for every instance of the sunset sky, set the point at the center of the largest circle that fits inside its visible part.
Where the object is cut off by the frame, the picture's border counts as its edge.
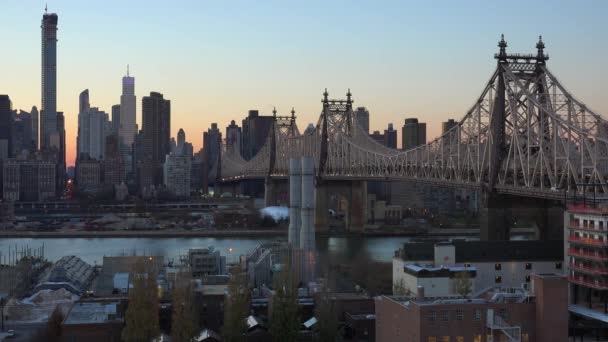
(215, 60)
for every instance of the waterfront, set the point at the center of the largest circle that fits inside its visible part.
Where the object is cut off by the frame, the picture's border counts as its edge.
(345, 259)
(92, 250)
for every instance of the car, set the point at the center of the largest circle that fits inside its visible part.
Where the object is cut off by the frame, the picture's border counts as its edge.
(10, 333)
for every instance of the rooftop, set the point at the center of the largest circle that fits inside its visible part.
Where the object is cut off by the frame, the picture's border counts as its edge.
(600, 209)
(486, 296)
(92, 313)
(213, 290)
(487, 251)
(441, 271)
(70, 272)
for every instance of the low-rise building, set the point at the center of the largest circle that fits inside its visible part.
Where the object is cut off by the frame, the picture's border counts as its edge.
(92, 321)
(116, 273)
(497, 314)
(69, 272)
(496, 263)
(210, 303)
(437, 281)
(206, 261)
(263, 262)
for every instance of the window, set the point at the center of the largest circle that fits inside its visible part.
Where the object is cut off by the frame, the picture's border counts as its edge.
(445, 315)
(459, 314)
(525, 337)
(459, 339)
(528, 266)
(432, 339)
(497, 267)
(477, 315)
(432, 316)
(527, 278)
(477, 338)
(558, 265)
(445, 338)
(601, 225)
(498, 279)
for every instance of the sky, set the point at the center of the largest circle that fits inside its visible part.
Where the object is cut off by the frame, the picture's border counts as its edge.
(215, 60)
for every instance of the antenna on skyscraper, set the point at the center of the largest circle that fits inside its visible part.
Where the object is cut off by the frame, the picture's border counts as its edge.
(45, 8)
(127, 70)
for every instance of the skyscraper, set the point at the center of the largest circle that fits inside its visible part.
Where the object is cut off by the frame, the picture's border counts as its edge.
(234, 136)
(413, 134)
(127, 128)
(113, 163)
(181, 140)
(92, 129)
(212, 140)
(156, 128)
(6, 122)
(177, 168)
(362, 115)
(83, 101)
(390, 136)
(447, 125)
(35, 126)
(48, 124)
(255, 132)
(115, 119)
(22, 132)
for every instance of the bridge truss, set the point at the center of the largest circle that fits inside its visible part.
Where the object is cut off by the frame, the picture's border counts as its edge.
(525, 135)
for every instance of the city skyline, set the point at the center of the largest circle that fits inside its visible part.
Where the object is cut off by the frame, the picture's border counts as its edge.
(234, 70)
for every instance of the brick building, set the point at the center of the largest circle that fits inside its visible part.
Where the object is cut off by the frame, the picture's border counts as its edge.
(498, 314)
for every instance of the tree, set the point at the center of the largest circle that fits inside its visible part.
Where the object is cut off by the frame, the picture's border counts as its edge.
(52, 331)
(463, 283)
(184, 320)
(236, 308)
(326, 329)
(285, 319)
(399, 288)
(141, 317)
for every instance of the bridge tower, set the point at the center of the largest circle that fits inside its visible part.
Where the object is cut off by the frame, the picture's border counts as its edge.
(498, 210)
(354, 191)
(282, 127)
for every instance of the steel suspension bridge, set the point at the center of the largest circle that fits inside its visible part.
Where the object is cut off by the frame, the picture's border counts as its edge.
(525, 135)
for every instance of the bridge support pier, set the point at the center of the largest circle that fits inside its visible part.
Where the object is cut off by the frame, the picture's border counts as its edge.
(550, 222)
(270, 198)
(356, 209)
(276, 192)
(500, 212)
(494, 223)
(321, 208)
(355, 195)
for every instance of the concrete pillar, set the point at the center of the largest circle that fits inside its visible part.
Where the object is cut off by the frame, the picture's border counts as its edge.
(269, 193)
(550, 222)
(307, 232)
(295, 200)
(321, 208)
(494, 219)
(357, 207)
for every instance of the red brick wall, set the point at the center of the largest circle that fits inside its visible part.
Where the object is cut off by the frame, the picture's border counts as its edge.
(551, 308)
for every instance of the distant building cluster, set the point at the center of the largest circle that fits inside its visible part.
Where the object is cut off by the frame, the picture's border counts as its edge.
(116, 159)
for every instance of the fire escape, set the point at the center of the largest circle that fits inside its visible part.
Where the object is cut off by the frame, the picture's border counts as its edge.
(497, 326)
